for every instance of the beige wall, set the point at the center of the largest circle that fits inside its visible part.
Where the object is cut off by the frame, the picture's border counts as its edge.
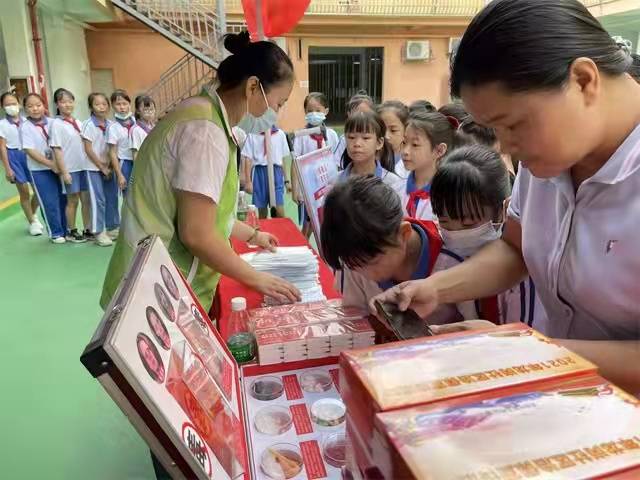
(137, 57)
(405, 81)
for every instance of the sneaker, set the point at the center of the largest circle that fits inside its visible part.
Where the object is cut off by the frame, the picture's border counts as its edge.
(88, 235)
(103, 240)
(58, 240)
(35, 228)
(75, 236)
(113, 234)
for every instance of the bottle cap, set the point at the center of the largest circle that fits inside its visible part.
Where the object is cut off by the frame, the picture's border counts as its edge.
(238, 304)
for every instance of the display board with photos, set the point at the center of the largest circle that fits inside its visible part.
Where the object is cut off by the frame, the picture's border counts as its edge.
(318, 172)
(158, 357)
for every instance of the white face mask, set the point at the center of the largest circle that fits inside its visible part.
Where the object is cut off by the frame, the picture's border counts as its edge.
(122, 116)
(12, 110)
(261, 124)
(315, 118)
(467, 242)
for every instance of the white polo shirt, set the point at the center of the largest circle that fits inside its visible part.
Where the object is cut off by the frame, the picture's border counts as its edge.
(10, 131)
(98, 138)
(306, 144)
(35, 139)
(119, 135)
(68, 138)
(581, 249)
(254, 148)
(137, 136)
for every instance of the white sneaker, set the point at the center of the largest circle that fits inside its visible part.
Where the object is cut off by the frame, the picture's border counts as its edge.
(35, 228)
(103, 240)
(58, 240)
(113, 234)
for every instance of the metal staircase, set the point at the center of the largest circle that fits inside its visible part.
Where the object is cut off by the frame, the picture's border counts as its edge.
(197, 27)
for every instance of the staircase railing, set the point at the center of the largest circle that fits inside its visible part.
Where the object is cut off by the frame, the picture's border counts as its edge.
(196, 26)
(182, 80)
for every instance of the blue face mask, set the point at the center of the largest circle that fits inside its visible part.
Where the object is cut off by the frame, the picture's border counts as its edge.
(315, 118)
(261, 124)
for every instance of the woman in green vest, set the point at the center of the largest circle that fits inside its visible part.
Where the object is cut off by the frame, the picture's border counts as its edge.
(184, 185)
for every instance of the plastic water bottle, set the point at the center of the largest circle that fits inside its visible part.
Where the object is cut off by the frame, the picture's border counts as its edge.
(242, 343)
(242, 206)
(252, 219)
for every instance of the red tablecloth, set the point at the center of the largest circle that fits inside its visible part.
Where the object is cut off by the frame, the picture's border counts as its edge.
(289, 236)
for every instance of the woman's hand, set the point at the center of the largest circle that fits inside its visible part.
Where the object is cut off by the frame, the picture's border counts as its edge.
(106, 172)
(418, 295)
(10, 176)
(465, 326)
(275, 287)
(122, 182)
(265, 240)
(66, 178)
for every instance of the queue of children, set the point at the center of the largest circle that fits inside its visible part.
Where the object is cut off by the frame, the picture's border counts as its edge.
(69, 164)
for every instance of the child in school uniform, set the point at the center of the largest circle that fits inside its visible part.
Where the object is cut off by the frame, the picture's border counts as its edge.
(118, 138)
(316, 109)
(428, 138)
(255, 149)
(14, 160)
(145, 121)
(366, 238)
(368, 152)
(395, 116)
(43, 168)
(103, 188)
(469, 194)
(360, 102)
(68, 149)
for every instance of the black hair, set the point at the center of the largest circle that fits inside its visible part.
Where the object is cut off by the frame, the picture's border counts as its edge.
(531, 44)
(361, 217)
(397, 107)
(369, 122)
(319, 97)
(29, 95)
(421, 105)
(357, 100)
(119, 93)
(467, 180)
(455, 110)
(472, 133)
(264, 60)
(5, 95)
(437, 128)
(143, 101)
(92, 96)
(59, 94)
(634, 71)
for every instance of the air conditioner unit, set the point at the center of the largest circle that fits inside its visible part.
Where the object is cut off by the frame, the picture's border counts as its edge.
(454, 42)
(417, 50)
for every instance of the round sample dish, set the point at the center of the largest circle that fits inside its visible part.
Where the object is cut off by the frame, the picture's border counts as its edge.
(315, 381)
(281, 461)
(328, 412)
(334, 449)
(273, 420)
(266, 388)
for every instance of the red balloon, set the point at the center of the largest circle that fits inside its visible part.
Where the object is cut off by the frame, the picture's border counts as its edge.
(278, 16)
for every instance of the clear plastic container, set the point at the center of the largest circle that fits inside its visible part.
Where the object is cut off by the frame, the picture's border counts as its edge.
(281, 461)
(334, 449)
(315, 381)
(273, 420)
(266, 388)
(328, 412)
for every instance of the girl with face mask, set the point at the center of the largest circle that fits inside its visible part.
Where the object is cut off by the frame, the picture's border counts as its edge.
(184, 185)
(118, 138)
(316, 109)
(14, 159)
(468, 194)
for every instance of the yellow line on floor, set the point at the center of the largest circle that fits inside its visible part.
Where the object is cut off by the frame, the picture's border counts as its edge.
(10, 201)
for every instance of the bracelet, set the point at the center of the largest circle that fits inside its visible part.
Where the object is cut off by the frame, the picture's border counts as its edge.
(253, 235)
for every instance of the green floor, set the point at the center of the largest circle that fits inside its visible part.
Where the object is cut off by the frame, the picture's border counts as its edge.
(56, 420)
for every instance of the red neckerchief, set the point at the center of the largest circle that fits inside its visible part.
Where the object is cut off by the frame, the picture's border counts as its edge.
(72, 121)
(128, 125)
(414, 199)
(319, 138)
(273, 131)
(16, 124)
(102, 127)
(41, 125)
(435, 240)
